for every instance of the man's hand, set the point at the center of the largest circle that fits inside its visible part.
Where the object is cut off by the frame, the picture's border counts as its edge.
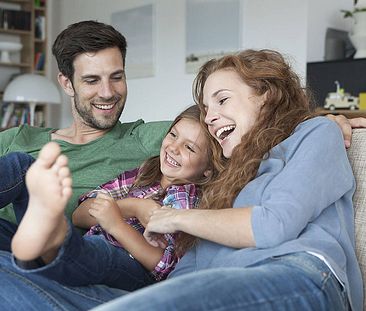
(106, 211)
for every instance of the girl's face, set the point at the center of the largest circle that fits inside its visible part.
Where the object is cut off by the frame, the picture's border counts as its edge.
(232, 108)
(183, 154)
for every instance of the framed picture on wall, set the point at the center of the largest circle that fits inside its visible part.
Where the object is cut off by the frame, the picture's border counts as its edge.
(137, 25)
(212, 30)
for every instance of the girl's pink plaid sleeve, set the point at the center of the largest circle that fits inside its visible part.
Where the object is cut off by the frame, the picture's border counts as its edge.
(117, 188)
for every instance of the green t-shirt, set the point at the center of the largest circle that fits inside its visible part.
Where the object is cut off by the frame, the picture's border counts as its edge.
(94, 163)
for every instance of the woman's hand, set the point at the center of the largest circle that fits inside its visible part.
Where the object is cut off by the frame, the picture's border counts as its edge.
(161, 221)
(346, 126)
(106, 211)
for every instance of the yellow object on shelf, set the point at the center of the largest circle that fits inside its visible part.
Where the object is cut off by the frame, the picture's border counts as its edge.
(362, 103)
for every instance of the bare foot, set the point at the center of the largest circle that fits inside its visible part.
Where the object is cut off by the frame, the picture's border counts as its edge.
(43, 227)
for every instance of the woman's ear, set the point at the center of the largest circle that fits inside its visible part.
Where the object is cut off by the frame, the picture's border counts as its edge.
(66, 84)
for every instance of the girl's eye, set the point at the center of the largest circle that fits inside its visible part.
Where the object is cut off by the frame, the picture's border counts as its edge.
(172, 134)
(191, 149)
(91, 81)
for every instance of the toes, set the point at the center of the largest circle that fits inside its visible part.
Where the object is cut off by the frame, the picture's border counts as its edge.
(66, 193)
(63, 172)
(48, 154)
(66, 182)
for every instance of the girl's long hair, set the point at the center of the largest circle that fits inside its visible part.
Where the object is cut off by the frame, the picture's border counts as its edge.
(286, 104)
(150, 172)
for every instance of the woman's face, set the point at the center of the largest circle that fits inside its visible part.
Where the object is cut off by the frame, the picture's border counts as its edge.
(231, 106)
(183, 153)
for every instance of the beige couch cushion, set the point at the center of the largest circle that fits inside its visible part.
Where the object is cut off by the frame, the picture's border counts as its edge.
(357, 157)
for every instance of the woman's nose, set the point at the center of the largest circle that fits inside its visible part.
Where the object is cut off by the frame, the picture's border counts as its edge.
(211, 117)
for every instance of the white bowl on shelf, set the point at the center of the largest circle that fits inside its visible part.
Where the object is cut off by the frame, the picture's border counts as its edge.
(6, 48)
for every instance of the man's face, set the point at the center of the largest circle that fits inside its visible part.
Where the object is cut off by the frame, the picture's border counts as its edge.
(100, 88)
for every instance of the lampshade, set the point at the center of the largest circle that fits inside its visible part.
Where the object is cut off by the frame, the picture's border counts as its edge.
(32, 88)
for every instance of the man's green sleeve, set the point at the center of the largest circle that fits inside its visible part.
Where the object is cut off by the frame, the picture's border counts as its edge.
(6, 139)
(151, 135)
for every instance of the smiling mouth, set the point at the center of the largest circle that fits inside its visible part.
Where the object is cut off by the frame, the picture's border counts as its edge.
(171, 161)
(104, 107)
(224, 132)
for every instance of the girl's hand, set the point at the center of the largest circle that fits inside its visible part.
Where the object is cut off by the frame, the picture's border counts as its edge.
(163, 220)
(106, 211)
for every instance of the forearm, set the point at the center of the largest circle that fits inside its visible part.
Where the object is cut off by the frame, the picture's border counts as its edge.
(128, 207)
(136, 207)
(134, 243)
(230, 227)
(81, 217)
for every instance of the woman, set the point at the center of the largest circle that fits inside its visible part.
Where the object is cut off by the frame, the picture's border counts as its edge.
(288, 242)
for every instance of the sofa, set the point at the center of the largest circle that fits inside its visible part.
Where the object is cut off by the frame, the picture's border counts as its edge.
(357, 157)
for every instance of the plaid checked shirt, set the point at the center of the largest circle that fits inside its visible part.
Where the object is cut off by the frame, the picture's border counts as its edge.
(177, 196)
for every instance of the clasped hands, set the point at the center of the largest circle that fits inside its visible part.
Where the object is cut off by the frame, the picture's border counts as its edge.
(156, 219)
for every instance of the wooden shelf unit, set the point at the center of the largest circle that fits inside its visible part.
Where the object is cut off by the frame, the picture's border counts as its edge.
(34, 43)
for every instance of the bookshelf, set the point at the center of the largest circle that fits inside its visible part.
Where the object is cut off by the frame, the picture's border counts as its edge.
(25, 22)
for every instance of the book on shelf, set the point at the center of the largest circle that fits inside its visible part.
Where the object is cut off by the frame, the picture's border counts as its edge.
(15, 19)
(40, 27)
(18, 114)
(39, 61)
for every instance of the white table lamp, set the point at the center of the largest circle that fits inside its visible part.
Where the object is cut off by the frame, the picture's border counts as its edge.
(32, 89)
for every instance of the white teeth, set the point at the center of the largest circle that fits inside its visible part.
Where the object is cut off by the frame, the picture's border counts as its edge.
(171, 161)
(104, 107)
(223, 129)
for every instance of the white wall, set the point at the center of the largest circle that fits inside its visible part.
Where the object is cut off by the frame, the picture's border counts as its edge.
(324, 14)
(294, 27)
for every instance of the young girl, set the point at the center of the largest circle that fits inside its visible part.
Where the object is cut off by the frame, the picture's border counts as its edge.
(114, 251)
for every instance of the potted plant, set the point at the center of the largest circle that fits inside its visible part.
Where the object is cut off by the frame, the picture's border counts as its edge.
(358, 33)
(359, 6)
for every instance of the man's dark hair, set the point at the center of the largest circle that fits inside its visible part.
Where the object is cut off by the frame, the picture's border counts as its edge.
(83, 37)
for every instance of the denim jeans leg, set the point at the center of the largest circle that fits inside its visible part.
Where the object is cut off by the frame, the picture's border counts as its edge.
(294, 282)
(21, 292)
(91, 260)
(13, 168)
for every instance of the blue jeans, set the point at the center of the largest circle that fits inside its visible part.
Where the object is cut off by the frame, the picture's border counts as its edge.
(20, 291)
(88, 260)
(82, 261)
(13, 168)
(291, 282)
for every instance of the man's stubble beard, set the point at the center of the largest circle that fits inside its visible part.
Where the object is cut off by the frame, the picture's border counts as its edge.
(86, 115)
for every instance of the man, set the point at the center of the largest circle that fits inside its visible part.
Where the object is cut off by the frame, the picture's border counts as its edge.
(91, 60)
